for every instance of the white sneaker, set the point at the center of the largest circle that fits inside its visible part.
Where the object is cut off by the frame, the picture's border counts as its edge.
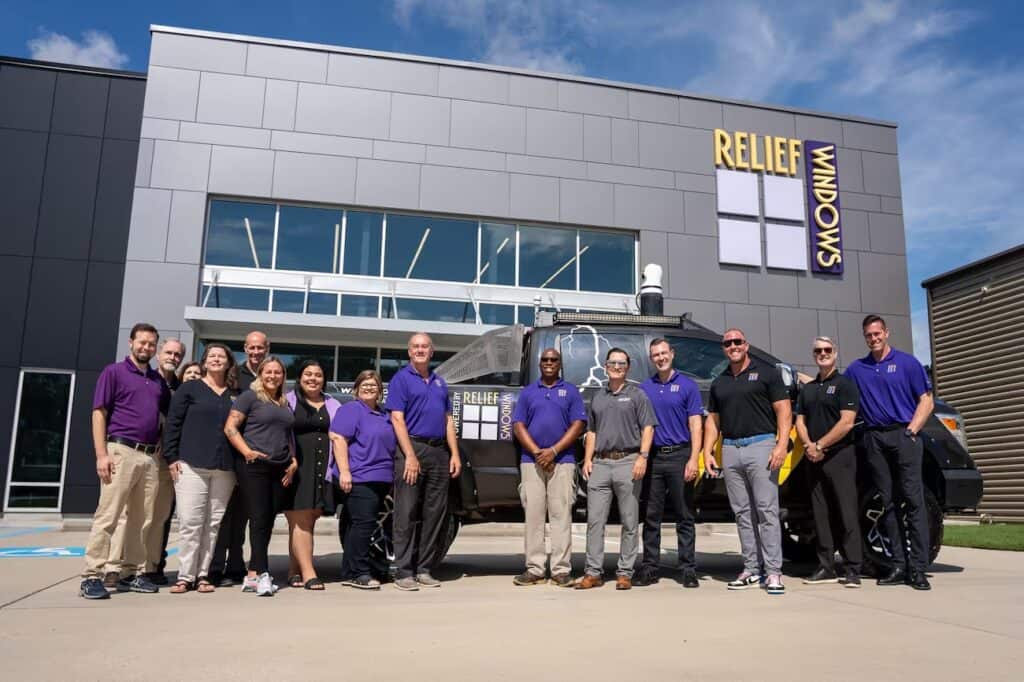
(774, 585)
(249, 583)
(265, 586)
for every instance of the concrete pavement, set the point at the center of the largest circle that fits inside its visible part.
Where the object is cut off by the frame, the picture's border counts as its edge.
(478, 626)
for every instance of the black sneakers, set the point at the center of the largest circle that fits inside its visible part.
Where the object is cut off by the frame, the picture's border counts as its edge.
(644, 579)
(92, 588)
(821, 576)
(137, 583)
(851, 580)
(690, 579)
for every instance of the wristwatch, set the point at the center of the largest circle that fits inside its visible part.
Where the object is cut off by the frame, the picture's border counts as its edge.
(645, 455)
(909, 433)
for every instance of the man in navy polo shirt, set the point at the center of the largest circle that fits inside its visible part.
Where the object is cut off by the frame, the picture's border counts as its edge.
(426, 459)
(128, 401)
(673, 464)
(895, 402)
(547, 420)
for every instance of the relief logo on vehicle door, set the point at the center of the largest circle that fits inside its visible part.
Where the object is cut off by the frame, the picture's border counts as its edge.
(484, 414)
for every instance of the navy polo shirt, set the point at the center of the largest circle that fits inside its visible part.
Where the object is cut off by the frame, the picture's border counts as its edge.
(674, 402)
(424, 402)
(889, 388)
(547, 412)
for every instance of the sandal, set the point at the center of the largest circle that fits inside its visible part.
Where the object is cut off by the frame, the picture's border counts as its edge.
(295, 581)
(314, 584)
(180, 587)
(205, 586)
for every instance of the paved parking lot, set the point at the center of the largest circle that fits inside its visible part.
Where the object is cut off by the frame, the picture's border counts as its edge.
(478, 626)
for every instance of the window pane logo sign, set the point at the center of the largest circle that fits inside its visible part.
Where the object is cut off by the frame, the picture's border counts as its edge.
(483, 415)
(762, 199)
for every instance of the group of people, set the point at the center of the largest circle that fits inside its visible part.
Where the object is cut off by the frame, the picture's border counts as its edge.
(228, 448)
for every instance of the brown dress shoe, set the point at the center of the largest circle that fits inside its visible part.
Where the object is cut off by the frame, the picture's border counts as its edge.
(589, 581)
(623, 583)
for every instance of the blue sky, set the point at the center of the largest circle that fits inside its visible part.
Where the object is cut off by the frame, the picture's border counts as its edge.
(950, 73)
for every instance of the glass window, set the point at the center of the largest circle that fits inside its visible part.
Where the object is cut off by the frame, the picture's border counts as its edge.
(584, 350)
(322, 304)
(392, 360)
(292, 302)
(526, 315)
(435, 311)
(497, 254)
(701, 359)
(419, 247)
(308, 239)
(362, 243)
(607, 262)
(352, 361)
(237, 297)
(293, 355)
(439, 357)
(288, 301)
(359, 306)
(240, 234)
(547, 258)
(41, 428)
(33, 497)
(491, 313)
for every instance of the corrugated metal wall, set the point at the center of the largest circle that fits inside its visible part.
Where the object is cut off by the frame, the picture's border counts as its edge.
(977, 324)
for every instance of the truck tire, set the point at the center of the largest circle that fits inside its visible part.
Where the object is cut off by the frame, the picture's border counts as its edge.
(382, 546)
(877, 556)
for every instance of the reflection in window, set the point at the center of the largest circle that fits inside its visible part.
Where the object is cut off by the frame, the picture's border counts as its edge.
(308, 239)
(391, 360)
(584, 350)
(288, 301)
(236, 297)
(701, 359)
(526, 315)
(41, 429)
(359, 306)
(240, 234)
(292, 301)
(420, 247)
(607, 262)
(32, 497)
(293, 355)
(497, 314)
(362, 243)
(497, 254)
(352, 361)
(322, 304)
(547, 258)
(437, 311)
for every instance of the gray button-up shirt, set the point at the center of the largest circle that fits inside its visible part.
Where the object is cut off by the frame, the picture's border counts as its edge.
(618, 418)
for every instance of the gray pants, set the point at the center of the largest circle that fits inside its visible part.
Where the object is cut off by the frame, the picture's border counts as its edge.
(609, 478)
(752, 487)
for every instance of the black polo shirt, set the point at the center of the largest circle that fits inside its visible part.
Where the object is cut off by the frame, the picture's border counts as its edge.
(245, 377)
(820, 402)
(744, 402)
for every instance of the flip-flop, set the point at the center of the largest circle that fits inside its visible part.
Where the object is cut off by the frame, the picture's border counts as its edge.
(314, 584)
(295, 581)
(205, 586)
(180, 587)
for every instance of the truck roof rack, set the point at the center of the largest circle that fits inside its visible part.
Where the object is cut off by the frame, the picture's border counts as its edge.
(626, 319)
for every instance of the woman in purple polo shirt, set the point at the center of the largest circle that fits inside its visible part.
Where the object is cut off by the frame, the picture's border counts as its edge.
(363, 465)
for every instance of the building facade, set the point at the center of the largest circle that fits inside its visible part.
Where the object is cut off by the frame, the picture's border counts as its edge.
(339, 199)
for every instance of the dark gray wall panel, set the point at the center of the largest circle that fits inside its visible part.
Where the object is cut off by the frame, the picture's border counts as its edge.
(124, 108)
(54, 320)
(80, 104)
(22, 159)
(27, 97)
(69, 193)
(114, 201)
(14, 280)
(81, 487)
(8, 395)
(100, 314)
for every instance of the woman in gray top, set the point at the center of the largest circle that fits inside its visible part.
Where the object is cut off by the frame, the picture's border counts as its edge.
(260, 429)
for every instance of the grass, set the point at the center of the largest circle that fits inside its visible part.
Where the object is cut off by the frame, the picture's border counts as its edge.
(1005, 536)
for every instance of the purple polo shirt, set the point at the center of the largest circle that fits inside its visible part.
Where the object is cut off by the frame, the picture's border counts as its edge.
(548, 412)
(425, 403)
(674, 401)
(889, 388)
(133, 399)
(371, 443)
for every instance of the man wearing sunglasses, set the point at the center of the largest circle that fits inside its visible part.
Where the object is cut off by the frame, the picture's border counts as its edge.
(749, 405)
(896, 401)
(826, 410)
(620, 429)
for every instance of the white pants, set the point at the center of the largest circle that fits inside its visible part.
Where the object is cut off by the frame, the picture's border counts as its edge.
(202, 496)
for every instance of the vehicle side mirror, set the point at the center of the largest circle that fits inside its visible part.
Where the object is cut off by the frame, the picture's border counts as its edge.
(788, 379)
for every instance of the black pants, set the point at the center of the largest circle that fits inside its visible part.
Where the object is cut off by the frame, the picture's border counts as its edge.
(228, 556)
(420, 511)
(265, 496)
(833, 486)
(361, 508)
(895, 463)
(663, 483)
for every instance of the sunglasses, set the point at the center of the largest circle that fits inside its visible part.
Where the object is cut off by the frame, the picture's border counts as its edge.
(823, 351)
(733, 342)
(547, 360)
(616, 363)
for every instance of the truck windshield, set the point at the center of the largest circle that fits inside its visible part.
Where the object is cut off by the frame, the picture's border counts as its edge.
(584, 348)
(700, 359)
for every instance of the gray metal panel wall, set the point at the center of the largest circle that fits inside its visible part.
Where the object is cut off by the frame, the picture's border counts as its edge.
(974, 315)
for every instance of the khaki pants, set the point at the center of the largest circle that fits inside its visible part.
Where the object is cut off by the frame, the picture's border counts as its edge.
(132, 489)
(203, 496)
(154, 538)
(548, 494)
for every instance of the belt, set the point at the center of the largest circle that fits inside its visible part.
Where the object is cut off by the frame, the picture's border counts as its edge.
(614, 454)
(432, 442)
(666, 449)
(887, 427)
(748, 440)
(141, 447)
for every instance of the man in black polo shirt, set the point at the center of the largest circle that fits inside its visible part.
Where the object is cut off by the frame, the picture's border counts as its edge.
(826, 410)
(749, 406)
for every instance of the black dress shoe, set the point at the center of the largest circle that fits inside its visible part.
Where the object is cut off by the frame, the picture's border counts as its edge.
(919, 581)
(690, 579)
(897, 576)
(644, 579)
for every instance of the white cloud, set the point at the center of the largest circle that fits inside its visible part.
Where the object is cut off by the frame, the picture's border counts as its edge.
(96, 48)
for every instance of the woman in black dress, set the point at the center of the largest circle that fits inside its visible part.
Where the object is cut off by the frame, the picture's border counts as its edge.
(313, 496)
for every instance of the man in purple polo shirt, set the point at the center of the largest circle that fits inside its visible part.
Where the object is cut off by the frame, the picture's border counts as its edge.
(426, 459)
(129, 398)
(548, 420)
(673, 464)
(895, 402)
